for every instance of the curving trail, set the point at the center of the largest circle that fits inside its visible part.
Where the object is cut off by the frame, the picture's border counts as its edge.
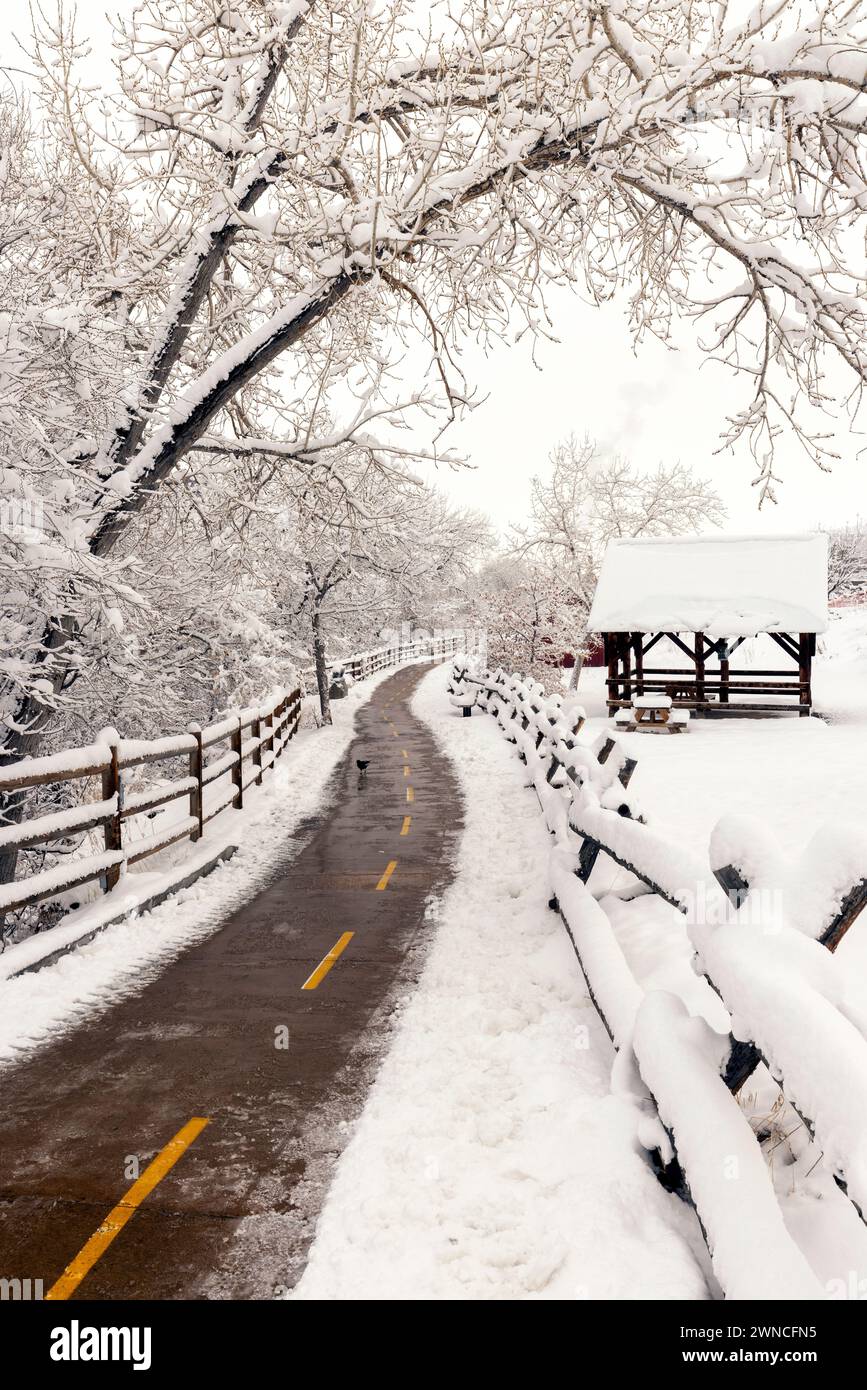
(269, 1031)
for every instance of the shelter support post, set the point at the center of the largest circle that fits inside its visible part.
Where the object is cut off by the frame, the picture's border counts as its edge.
(806, 647)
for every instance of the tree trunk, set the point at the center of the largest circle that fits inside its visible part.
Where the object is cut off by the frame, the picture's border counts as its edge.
(321, 668)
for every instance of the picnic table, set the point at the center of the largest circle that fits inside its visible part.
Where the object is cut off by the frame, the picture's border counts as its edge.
(652, 714)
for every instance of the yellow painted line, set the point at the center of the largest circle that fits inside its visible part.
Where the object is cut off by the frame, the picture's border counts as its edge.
(410, 794)
(407, 821)
(126, 1207)
(388, 873)
(406, 770)
(405, 755)
(326, 963)
(396, 733)
(383, 882)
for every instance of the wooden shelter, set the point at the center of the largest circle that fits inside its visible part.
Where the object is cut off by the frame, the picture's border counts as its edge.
(700, 598)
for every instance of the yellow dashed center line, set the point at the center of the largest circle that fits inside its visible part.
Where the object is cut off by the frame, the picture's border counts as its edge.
(326, 963)
(407, 821)
(405, 755)
(383, 882)
(410, 794)
(126, 1208)
(406, 770)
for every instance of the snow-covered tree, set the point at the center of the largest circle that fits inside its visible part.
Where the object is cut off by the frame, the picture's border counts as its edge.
(530, 620)
(588, 499)
(847, 560)
(365, 549)
(300, 178)
(282, 196)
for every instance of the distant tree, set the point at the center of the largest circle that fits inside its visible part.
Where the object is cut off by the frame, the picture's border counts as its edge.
(847, 560)
(529, 618)
(363, 549)
(588, 500)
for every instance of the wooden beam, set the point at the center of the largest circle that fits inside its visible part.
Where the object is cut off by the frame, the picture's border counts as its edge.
(733, 884)
(853, 903)
(611, 658)
(673, 637)
(784, 641)
(626, 658)
(699, 667)
(805, 661)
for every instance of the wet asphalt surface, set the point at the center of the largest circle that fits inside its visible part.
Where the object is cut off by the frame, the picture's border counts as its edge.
(227, 1032)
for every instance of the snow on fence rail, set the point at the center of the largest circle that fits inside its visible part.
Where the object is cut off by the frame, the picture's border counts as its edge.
(764, 932)
(363, 664)
(238, 749)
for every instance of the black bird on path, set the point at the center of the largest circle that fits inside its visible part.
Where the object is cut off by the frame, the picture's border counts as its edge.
(362, 764)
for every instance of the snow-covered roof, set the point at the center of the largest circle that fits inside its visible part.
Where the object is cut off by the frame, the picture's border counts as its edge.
(726, 586)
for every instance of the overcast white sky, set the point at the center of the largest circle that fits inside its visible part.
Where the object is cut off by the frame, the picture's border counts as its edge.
(656, 404)
(649, 404)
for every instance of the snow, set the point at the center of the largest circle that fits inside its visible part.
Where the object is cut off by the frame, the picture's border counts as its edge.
(615, 988)
(491, 1160)
(51, 881)
(725, 586)
(54, 766)
(754, 1256)
(58, 823)
(680, 874)
(789, 995)
(809, 887)
(132, 750)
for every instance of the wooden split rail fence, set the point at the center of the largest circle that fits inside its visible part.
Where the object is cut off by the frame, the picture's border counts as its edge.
(779, 981)
(363, 664)
(222, 761)
(219, 763)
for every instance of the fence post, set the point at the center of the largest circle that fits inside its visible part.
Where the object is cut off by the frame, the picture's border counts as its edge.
(238, 770)
(256, 732)
(277, 719)
(286, 709)
(112, 786)
(196, 792)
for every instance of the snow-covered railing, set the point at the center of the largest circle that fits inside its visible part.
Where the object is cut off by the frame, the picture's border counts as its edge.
(360, 665)
(764, 931)
(222, 760)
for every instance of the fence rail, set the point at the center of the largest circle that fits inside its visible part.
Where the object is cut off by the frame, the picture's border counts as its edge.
(270, 728)
(361, 665)
(773, 970)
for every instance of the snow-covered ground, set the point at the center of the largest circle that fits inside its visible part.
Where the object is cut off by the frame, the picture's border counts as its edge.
(491, 1159)
(794, 775)
(36, 1006)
